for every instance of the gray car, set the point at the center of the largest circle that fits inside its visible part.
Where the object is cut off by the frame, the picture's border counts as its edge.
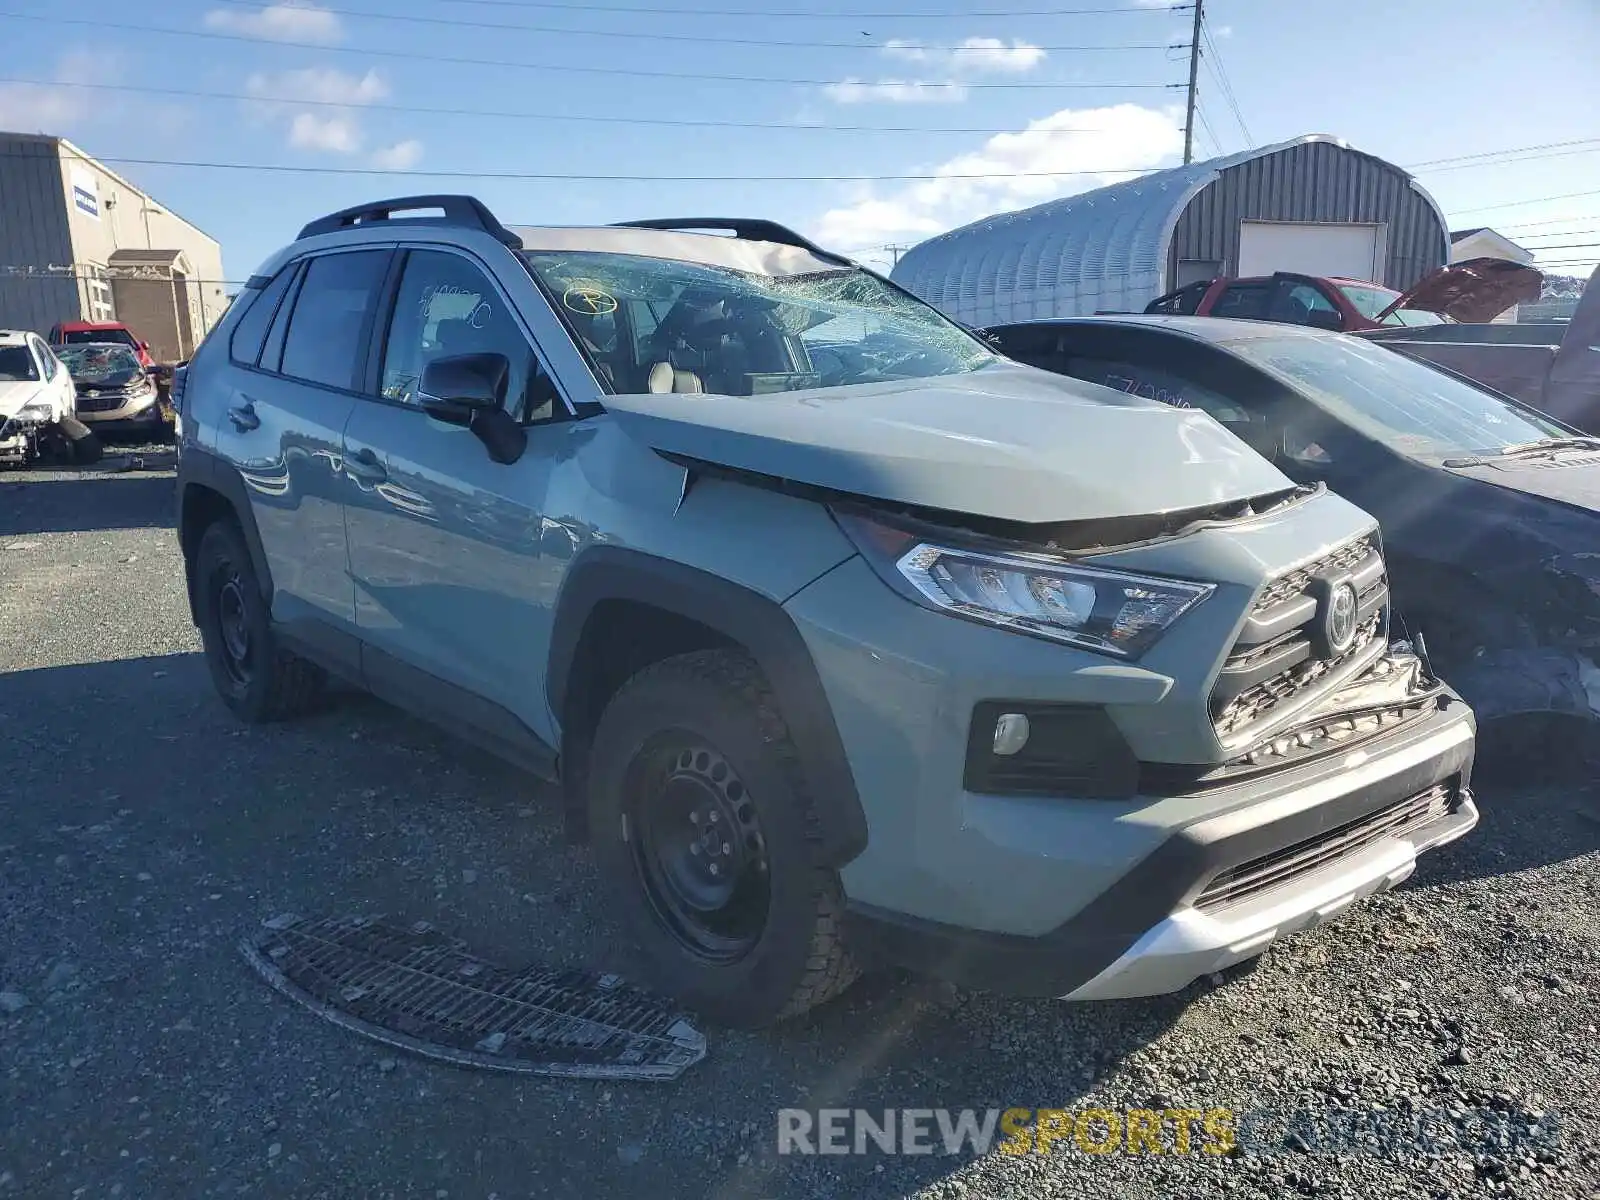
(850, 643)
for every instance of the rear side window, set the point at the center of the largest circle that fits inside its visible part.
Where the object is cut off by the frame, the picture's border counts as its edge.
(1181, 303)
(1246, 301)
(324, 339)
(245, 345)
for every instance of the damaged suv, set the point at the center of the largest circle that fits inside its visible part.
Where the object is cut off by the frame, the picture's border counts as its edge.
(849, 642)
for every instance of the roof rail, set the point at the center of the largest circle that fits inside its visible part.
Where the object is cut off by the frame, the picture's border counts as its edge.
(750, 229)
(458, 210)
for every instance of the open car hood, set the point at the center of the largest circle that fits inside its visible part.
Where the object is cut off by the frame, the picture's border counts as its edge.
(1008, 442)
(1473, 292)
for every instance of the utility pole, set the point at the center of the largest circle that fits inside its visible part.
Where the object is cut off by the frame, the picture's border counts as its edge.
(894, 253)
(1194, 83)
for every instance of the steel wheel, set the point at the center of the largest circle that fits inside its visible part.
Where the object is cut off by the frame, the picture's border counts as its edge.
(699, 849)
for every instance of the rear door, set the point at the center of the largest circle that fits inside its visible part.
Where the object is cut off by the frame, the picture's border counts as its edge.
(453, 593)
(302, 347)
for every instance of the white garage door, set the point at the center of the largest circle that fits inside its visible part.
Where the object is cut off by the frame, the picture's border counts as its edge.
(1353, 251)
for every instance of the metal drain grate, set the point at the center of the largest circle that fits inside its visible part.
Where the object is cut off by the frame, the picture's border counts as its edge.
(420, 990)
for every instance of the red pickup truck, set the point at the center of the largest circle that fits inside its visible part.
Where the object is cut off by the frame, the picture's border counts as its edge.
(1477, 290)
(66, 333)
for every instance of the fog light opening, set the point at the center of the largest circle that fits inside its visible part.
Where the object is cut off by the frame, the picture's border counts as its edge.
(1010, 733)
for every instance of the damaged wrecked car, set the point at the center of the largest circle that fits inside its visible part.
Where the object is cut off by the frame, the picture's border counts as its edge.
(850, 643)
(1490, 510)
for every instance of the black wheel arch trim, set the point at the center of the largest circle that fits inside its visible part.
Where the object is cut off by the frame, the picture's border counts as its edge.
(756, 622)
(203, 469)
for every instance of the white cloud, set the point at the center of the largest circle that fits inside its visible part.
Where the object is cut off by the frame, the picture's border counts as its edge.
(1154, 3)
(1223, 31)
(894, 91)
(947, 67)
(320, 85)
(1046, 160)
(334, 124)
(399, 157)
(338, 133)
(285, 21)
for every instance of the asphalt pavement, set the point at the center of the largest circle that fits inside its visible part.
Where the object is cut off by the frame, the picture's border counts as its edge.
(143, 832)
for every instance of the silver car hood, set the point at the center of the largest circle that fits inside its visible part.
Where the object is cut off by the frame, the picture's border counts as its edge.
(1009, 442)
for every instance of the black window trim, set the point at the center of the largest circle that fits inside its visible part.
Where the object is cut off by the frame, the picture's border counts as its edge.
(378, 343)
(289, 268)
(293, 294)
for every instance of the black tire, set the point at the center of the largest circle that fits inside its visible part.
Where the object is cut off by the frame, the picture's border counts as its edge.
(256, 677)
(86, 446)
(708, 722)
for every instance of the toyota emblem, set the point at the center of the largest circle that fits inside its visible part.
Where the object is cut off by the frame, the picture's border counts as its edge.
(1339, 620)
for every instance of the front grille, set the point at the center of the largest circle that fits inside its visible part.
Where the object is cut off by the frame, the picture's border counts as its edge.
(1276, 658)
(103, 403)
(1282, 867)
(1295, 582)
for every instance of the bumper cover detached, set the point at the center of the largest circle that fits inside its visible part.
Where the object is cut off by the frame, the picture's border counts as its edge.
(1222, 890)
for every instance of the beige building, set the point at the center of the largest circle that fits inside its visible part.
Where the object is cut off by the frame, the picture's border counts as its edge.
(78, 242)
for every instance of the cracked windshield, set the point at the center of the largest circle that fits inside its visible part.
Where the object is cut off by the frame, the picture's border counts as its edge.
(794, 600)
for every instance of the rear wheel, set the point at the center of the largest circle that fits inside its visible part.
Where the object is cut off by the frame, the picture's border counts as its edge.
(256, 677)
(703, 826)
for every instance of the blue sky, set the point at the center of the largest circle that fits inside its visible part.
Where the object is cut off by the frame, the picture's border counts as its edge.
(991, 89)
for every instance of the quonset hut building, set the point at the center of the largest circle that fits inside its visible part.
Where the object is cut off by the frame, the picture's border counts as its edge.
(1313, 205)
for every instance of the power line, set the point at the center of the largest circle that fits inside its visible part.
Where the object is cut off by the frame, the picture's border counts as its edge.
(1220, 74)
(407, 18)
(1533, 200)
(1216, 143)
(1434, 162)
(565, 177)
(960, 14)
(1509, 158)
(511, 114)
(1549, 221)
(568, 67)
(1568, 246)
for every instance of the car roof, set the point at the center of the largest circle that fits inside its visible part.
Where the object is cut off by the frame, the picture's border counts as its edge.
(14, 337)
(1215, 330)
(83, 325)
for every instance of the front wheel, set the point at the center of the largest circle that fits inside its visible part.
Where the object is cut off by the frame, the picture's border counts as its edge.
(704, 828)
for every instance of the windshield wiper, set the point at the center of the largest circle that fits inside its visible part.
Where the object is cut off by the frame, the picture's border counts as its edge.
(1550, 443)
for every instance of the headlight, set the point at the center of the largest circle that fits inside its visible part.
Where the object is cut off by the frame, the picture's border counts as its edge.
(36, 412)
(1109, 612)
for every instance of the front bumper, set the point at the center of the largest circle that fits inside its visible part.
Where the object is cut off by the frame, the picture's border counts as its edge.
(1317, 833)
(143, 407)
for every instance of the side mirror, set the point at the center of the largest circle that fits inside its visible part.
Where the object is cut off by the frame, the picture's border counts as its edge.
(469, 390)
(145, 346)
(1324, 318)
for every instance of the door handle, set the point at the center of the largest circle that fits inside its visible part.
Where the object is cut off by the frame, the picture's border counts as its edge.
(364, 467)
(244, 416)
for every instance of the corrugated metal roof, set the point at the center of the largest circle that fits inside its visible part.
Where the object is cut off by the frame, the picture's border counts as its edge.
(1104, 249)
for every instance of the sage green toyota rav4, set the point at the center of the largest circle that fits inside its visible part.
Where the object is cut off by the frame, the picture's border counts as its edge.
(849, 642)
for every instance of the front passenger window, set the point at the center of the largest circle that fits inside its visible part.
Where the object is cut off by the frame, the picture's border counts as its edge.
(324, 339)
(446, 307)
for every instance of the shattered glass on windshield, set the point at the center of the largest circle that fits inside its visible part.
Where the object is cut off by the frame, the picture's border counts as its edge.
(657, 325)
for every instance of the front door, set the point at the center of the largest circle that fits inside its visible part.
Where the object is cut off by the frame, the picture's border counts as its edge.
(453, 600)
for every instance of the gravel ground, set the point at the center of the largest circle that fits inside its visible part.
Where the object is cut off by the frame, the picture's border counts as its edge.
(143, 832)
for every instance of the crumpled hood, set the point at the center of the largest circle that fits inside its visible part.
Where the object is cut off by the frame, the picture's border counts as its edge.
(1473, 292)
(1008, 441)
(14, 393)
